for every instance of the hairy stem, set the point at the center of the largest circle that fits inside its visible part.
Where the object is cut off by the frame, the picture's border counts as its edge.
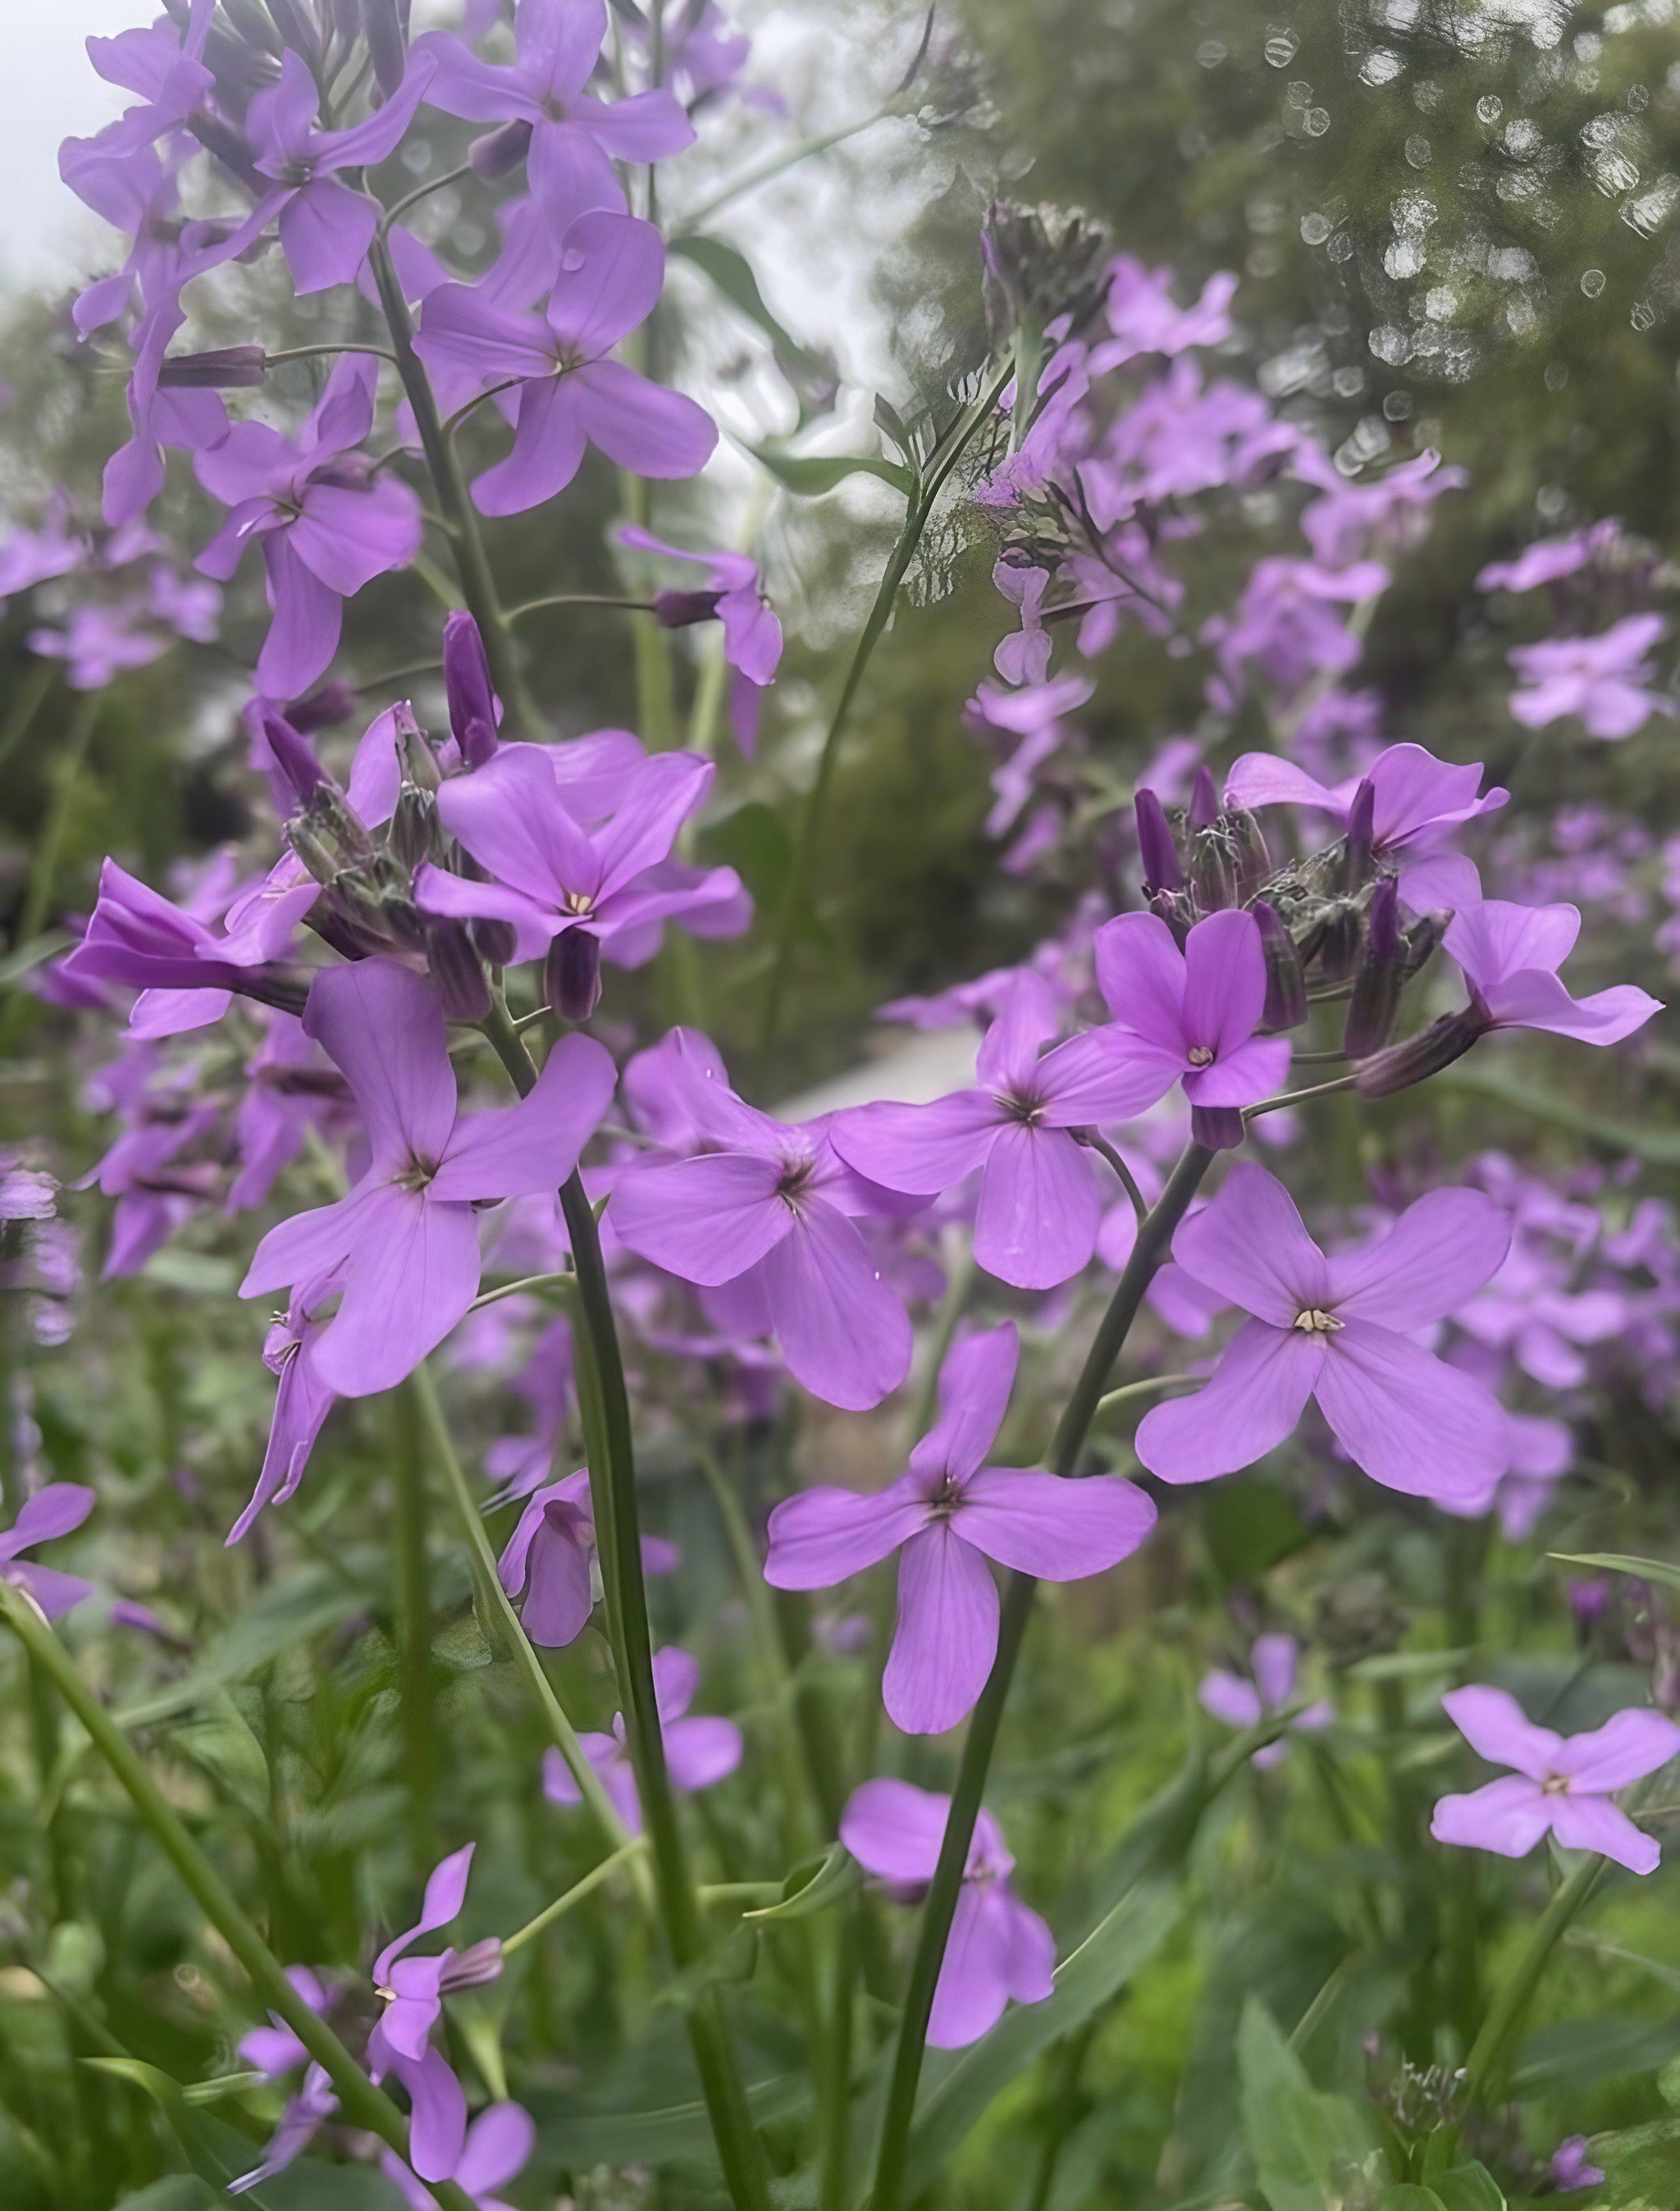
(360, 2102)
(604, 1405)
(1065, 1447)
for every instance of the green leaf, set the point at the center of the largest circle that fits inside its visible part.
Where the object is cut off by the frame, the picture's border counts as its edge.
(179, 2191)
(216, 2152)
(811, 475)
(289, 1612)
(750, 840)
(813, 378)
(735, 1959)
(1084, 1981)
(1300, 2141)
(1468, 2188)
(812, 1887)
(220, 1744)
(1622, 1562)
(1409, 2197)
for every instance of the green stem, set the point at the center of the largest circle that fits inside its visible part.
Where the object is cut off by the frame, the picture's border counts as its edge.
(575, 1894)
(1484, 2066)
(796, 897)
(26, 703)
(444, 465)
(579, 599)
(604, 1405)
(414, 1630)
(1065, 1447)
(360, 2102)
(44, 866)
(488, 1583)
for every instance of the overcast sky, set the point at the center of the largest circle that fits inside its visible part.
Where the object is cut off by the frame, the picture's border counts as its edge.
(52, 93)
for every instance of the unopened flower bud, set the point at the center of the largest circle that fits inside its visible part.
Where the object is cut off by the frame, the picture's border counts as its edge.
(1156, 847)
(311, 850)
(1285, 977)
(333, 701)
(572, 974)
(1209, 864)
(456, 970)
(500, 151)
(1203, 811)
(1251, 860)
(1356, 843)
(498, 941)
(1379, 977)
(1423, 936)
(1177, 909)
(420, 763)
(1037, 264)
(413, 835)
(386, 45)
(294, 757)
(1422, 1055)
(1217, 1128)
(1336, 942)
(682, 609)
(472, 713)
(226, 368)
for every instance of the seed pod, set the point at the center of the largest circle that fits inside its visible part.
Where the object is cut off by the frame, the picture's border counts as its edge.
(1285, 977)
(1424, 1055)
(1379, 977)
(1156, 848)
(572, 974)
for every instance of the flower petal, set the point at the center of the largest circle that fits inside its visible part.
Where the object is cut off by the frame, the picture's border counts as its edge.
(1436, 1256)
(1592, 1823)
(383, 1026)
(1224, 982)
(974, 1384)
(922, 1149)
(825, 1534)
(704, 1220)
(1412, 1422)
(1249, 1243)
(1628, 1746)
(894, 1830)
(1496, 1728)
(1040, 1207)
(513, 1150)
(948, 1635)
(1255, 1398)
(843, 1330)
(1507, 1817)
(1059, 1530)
(410, 1277)
(1141, 974)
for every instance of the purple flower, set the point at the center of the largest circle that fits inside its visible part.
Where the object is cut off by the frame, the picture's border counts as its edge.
(155, 1196)
(1563, 1784)
(1339, 1329)
(293, 1088)
(554, 880)
(951, 1512)
(1571, 2168)
(326, 525)
(28, 557)
(497, 2150)
(571, 394)
(412, 1990)
(751, 632)
(404, 1243)
(1350, 520)
(1190, 1015)
(699, 1751)
(769, 1210)
(1285, 620)
(548, 1556)
(575, 138)
(138, 938)
(302, 1402)
(57, 1509)
(1242, 1702)
(1145, 319)
(1604, 681)
(997, 1948)
(164, 65)
(1510, 956)
(1418, 804)
(98, 643)
(325, 227)
(275, 2049)
(1550, 561)
(1040, 1201)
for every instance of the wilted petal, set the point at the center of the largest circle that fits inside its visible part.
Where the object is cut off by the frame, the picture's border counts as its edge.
(948, 1635)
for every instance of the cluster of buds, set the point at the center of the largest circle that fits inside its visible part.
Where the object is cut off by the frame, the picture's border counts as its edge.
(1038, 265)
(1330, 923)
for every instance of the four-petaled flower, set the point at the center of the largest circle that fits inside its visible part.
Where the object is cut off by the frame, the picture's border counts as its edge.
(1339, 1329)
(998, 1947)
(1605, 680)
(951, 1512)
(1563, 1784)
(699, 1750)
(1510, 956)
(1241, 1702)
(1041, 1203)
(404, 1243)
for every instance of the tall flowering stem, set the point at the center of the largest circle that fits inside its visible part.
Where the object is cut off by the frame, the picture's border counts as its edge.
(604, 1406)
(443, 466)
(1154, 1235)
(924, 498)
(360, 2102)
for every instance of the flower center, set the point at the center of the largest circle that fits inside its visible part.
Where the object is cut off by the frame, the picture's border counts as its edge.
(794, 1180)
(1315, 1321)
(578, 902)
(1555, 1785)
(1023, 1105)
(1200, 1055)
(417, 1174)
(945, 1499)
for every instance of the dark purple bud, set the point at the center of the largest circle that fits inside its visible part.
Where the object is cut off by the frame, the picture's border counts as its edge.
(413, 835)
(1337, 938)
(229, 368)
(1360, 819)
(499, 151)
(1251, 860)
(1378, 978)
(294, 757)
(1156, 848)
(1203, 810)
(457, 972)
(472, 701)
(253, 25)
(385, 43)
(497, 940)
(472, 1968)
(1217, 1128)
(275, 986)
(334, 701)
(1422, 1055)
(572, 974)
(1285, 977)
(682, 609)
